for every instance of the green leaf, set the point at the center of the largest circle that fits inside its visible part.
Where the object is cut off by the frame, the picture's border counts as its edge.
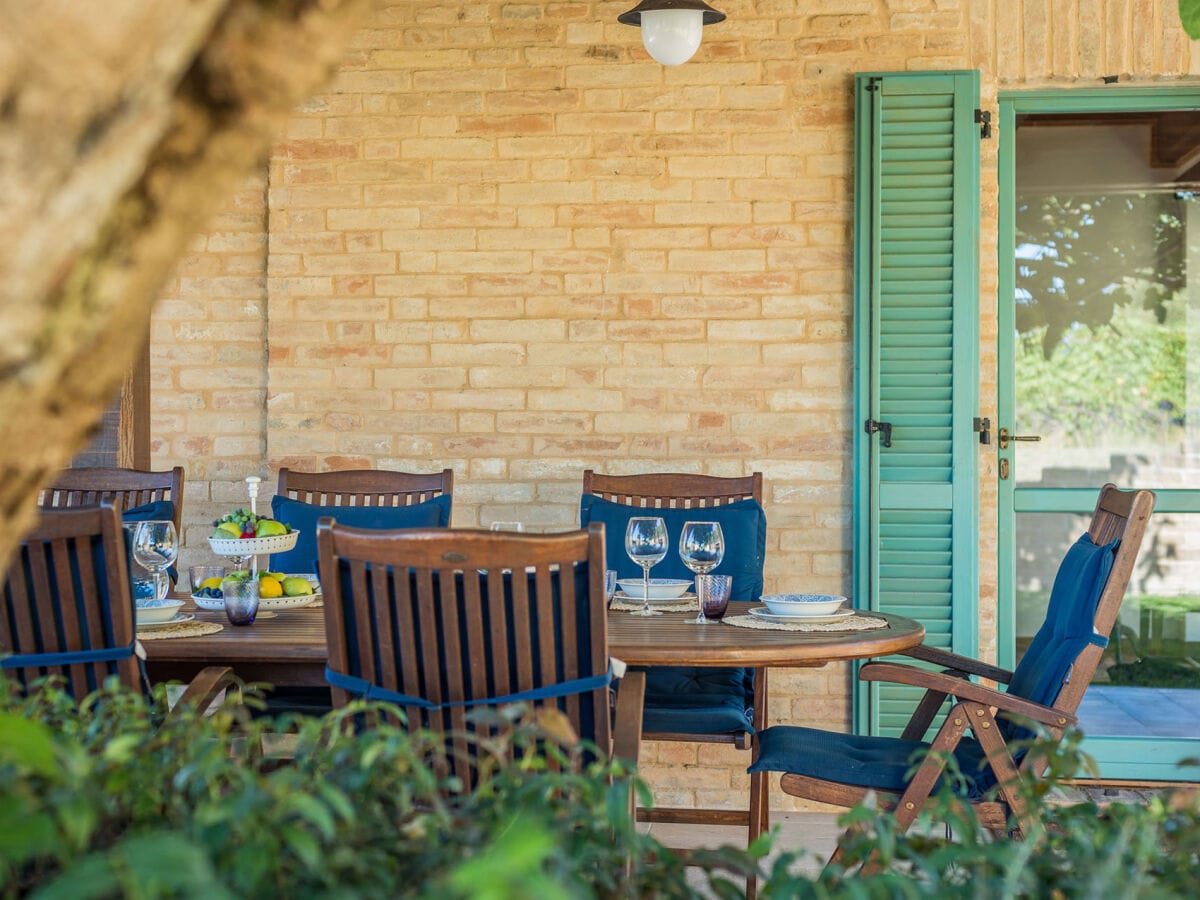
(1189, 14)
(28, 745)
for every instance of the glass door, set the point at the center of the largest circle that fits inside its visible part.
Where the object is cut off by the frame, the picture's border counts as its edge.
(1099, 380)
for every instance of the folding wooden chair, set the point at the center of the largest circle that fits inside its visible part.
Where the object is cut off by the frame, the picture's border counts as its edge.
(161, 493)
(439, 622)
(1046, 687)
(66, 608)
(705, 705)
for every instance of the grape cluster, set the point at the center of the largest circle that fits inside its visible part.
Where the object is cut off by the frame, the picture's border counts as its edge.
(243, 518)
(212, 593)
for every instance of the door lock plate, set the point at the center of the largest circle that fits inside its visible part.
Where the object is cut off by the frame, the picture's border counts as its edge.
(1004, 470)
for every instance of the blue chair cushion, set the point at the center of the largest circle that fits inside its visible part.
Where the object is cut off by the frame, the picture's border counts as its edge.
(691, 699)
(156, 511)
(1069, 624)
(743, 524)
(303, 517)
(881, 763)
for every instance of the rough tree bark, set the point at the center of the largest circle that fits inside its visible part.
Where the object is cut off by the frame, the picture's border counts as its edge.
(123, 124)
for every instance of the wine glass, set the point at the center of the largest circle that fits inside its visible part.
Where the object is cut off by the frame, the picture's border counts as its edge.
(701, 547)
(646, 544)
(155, 547)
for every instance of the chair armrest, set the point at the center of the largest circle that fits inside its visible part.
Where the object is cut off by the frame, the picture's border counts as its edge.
(962, 663)
(965, 690)
(627, 728)
(204, 688)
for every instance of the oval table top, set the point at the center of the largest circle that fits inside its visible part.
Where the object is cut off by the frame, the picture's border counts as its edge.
(290, 648)
(672, 640)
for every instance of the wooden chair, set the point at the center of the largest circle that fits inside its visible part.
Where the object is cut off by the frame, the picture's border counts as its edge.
(364, 487)
(437, 622)
(66, 608)
(126, 488)
(638, 494)
(1046, 687)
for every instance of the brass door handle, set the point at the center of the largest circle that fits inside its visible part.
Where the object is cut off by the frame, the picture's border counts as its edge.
(1003, 437)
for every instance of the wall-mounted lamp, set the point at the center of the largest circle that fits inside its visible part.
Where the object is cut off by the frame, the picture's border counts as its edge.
(671, 29)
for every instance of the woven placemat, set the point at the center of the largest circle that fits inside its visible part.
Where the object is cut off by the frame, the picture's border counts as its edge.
(858, 623)
(183, 630)
(634, 605)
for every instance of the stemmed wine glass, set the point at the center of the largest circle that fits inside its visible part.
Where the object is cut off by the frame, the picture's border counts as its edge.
(646, 544)
(155, 547)
(701, 547)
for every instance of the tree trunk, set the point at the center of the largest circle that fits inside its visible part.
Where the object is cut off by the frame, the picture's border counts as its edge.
(123, 125)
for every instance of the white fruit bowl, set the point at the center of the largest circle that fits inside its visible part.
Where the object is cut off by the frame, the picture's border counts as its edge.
(803, 604)
(257, 546)
(660, 588)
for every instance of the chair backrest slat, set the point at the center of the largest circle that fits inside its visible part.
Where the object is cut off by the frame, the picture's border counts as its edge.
(673, 490)
(55, 600)
(125, 488)
(364, 487)
(475, 615)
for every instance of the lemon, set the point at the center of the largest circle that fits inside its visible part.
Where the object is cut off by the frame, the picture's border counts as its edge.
(214, 582)
(296, 587)
(269, 587)
(269, 528)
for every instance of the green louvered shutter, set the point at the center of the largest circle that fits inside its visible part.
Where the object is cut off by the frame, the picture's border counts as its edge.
(916, 306)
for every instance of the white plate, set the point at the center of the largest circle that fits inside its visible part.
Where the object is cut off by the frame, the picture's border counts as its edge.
(660, 588)
(178, 619)
(685, 596)
(761, 612)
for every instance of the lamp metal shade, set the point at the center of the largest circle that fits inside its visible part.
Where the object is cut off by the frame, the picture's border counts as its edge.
(634, 16)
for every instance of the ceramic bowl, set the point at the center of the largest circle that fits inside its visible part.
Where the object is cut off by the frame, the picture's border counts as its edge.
(803, 604)
(151, 611)
(660, 588)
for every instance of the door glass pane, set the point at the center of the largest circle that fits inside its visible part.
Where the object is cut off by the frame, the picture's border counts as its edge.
(1108, 323)
(1148, 683)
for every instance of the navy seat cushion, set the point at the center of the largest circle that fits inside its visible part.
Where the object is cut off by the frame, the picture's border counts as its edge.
(303, 517)
(155, 511)
(692, 699)
(881, 763)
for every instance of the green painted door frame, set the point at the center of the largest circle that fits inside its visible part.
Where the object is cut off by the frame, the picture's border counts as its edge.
(916, 313)
(1118, 757)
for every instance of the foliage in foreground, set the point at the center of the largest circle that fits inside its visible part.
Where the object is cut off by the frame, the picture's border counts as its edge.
(110, 800)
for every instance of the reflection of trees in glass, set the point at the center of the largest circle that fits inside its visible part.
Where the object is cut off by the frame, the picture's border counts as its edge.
(1122, 378)
(1078, 256)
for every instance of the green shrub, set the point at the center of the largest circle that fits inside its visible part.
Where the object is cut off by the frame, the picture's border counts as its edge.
(112, 800)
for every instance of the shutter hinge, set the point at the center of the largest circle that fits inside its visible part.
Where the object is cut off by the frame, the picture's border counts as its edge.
(884, 429)
(984, 118)
(873, 84)
(984, 428)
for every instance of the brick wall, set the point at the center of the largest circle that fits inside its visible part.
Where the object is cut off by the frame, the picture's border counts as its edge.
(503, 240)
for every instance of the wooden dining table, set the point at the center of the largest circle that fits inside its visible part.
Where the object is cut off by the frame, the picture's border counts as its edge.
(289, 649)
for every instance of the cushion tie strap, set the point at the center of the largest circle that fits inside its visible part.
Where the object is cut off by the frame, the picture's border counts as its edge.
(372, 691)
(67, 657)
(1099, 640)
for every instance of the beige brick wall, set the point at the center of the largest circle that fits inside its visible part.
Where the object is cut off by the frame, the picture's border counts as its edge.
(505, 241)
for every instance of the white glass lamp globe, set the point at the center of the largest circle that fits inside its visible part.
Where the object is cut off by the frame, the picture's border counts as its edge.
(672, 36)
